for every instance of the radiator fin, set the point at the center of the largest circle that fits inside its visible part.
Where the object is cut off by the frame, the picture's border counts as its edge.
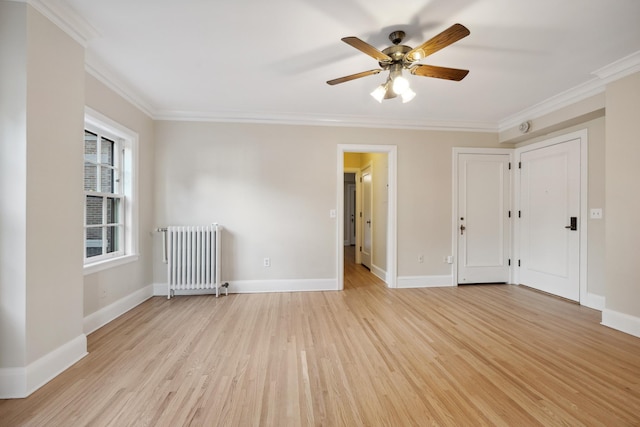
(193, 258)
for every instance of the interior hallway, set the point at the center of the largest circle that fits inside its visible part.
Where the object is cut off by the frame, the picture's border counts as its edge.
(357, 275)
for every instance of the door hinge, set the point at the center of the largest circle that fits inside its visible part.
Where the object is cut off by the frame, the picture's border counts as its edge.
(519, 165)
(360, 214)
(509, 262)
(509, 165)
(519, 214)
(360, 248)
(518, 263)
(509, 214)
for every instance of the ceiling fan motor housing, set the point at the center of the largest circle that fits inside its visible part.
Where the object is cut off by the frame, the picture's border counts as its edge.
(396, 53)
(397, 36)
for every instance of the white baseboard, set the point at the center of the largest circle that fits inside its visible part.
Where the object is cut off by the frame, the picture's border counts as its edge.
(379, 273)
(594, 301)
(259, 286)
(106, 314)
(16, 383)
(621, 321)
(425, 281)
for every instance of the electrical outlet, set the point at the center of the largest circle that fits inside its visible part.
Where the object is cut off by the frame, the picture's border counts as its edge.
(420, 259)
(596, 213)
(267, 262)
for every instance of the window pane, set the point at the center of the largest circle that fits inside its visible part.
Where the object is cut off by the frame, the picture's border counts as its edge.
(113, 238)
(113, 210)
(90, 177)
(94, 242)
(94, 210)
(90, 146)
(106, 151)
(106, 180)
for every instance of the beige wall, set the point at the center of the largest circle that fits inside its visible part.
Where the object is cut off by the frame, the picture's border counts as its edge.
(623, 198)
(55, 114)
(250, 179)
(106, 287)
(42, 116)
(239, 175)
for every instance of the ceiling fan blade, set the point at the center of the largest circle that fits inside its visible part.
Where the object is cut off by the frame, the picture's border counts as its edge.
(442, 40)
(439, 72)
(353, 77)
(367, 48)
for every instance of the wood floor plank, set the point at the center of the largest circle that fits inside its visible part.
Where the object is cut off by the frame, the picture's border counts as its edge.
(469, 355)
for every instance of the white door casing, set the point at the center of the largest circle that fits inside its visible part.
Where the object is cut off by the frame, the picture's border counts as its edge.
(550, 196)
(483, 217)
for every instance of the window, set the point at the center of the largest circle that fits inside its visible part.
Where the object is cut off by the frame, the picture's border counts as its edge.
(104, 198)
(110, 223)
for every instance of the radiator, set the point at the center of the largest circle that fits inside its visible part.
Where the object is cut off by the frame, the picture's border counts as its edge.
(192, 254)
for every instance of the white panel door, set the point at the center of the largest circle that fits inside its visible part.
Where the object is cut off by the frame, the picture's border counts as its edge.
(365, 249)
(549, 199)
(483, 218)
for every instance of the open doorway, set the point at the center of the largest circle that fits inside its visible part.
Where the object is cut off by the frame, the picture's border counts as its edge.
(381, 219)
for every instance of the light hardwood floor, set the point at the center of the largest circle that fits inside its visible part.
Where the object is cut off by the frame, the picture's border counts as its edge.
(470, 355)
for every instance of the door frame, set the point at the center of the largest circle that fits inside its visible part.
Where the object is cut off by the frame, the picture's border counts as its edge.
(456, 152)
(582, 135)
(392, 226)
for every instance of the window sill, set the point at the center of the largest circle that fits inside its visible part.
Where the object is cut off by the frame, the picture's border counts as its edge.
(109, 263)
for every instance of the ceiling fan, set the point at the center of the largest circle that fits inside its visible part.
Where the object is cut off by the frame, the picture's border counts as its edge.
(400, 57)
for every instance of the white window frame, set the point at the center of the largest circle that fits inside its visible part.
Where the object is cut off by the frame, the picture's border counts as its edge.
(127, 150)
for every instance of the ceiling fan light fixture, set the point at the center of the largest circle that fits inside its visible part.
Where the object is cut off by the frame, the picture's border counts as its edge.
(379, 92)
(408, 95)
(400, 85)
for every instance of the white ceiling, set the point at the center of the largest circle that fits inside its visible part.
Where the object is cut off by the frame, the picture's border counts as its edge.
(261, 60)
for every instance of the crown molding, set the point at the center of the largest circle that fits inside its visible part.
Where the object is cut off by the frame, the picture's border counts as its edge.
(67, 19)
(99, 72)
(616, 70)
(556, 102)
(324, 120)
(623, 67)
